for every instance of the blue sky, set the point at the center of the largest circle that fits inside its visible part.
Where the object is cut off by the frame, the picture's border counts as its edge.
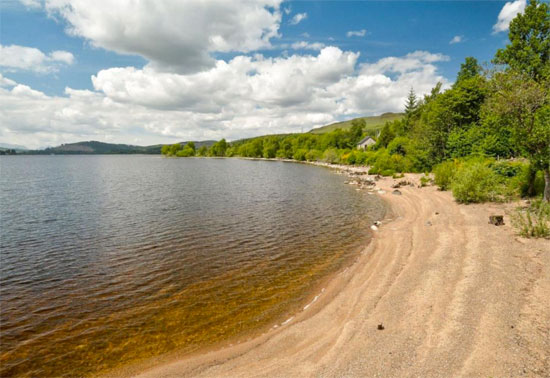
(286, 67)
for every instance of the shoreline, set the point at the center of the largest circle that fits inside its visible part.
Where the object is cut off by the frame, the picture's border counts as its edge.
(434, 278)
(314, 302)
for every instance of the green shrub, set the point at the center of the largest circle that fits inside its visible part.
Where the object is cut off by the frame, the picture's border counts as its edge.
(361, 157)
(507, 169)
(425, 180)
(524, 178)
(387, 172)
(534, 221)
(475, 183)
(300, 155)
(314, 155)
(331, 156)
(444, 174)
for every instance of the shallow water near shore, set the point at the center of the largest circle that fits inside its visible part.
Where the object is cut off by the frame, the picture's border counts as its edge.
(108, 260)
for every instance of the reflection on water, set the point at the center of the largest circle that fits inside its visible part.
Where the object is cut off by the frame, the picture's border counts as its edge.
(107, 260)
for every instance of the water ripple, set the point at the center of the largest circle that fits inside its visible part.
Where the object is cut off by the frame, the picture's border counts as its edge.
(111, 259)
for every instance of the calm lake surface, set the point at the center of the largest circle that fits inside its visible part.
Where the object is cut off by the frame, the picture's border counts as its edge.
(107, 260)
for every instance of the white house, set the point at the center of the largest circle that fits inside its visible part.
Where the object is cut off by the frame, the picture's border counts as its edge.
(365, 142)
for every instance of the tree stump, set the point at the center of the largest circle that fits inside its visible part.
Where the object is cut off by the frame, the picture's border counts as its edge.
(497, 220)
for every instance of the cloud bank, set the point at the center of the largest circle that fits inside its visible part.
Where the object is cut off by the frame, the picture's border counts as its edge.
(244, 97)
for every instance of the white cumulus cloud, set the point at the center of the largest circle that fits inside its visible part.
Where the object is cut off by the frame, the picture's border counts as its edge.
(356, 33)
(175, 36)
(298, 17)
(507, 14)
(303, 45)
(31, 4)
(456, 39)
(16, 58)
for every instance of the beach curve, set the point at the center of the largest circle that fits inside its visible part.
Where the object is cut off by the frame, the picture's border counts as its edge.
(455, 296)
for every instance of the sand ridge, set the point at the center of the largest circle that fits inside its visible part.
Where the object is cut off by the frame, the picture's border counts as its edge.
(457, 297)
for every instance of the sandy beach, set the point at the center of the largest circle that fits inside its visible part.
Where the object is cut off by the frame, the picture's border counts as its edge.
(455, 296)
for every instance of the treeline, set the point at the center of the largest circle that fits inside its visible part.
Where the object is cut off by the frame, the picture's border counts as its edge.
(487, 115)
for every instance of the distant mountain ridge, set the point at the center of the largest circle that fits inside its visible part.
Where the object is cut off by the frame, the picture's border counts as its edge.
(8, 146)
(101, 148)
(372, 123)
(95, 147)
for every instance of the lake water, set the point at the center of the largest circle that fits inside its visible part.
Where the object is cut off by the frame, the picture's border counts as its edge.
(107, 260)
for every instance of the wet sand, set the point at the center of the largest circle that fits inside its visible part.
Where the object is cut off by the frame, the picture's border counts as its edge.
(455, 296)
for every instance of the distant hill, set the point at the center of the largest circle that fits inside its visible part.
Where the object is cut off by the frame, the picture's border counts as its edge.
(94, 148)
(373, 123)
(7, 146)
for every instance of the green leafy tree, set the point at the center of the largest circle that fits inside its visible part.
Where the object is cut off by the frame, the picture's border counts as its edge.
(386, 136)
(468, 70)
(218, 148)
(525, 105)
(270, 148)
(357, 126)
(203, 151)
(174, 149)
(522, 93)
(529, 49)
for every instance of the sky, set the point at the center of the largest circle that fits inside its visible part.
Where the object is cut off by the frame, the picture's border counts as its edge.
(164, 71)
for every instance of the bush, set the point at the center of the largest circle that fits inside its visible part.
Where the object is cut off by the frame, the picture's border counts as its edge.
(507, 169)
(314, 155)
(475, 183)
(331, 156)
(528, 174)
(300, 154)
(444, 174)
(425, 180)
(534, 221)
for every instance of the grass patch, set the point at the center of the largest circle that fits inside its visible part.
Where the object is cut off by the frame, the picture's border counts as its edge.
(533, 221)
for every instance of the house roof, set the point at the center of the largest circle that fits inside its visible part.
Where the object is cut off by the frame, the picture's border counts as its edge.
(365, 139)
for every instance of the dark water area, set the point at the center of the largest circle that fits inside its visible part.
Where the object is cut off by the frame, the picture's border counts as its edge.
(108, 260)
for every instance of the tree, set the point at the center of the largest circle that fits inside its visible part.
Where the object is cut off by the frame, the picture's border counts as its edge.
(218, 148)
(411, 104)
(386, 136)
(469, 69)
(174, 149)
(357, 126)
(202, 151)
(523, 93)
(525, 105)
(529, 49)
